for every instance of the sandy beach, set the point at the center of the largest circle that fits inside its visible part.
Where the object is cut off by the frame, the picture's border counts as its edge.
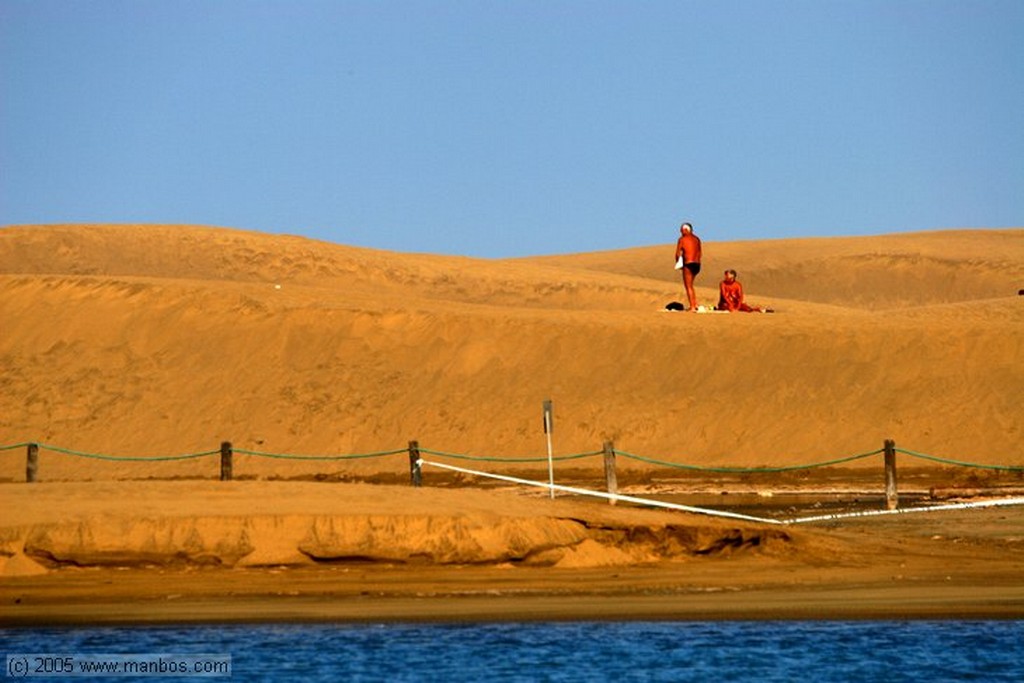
(155, 552)
(134, 343)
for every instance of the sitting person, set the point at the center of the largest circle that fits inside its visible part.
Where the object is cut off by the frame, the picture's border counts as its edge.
(730, 295)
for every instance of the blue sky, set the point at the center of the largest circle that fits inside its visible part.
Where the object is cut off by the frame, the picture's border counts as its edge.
(514, 128)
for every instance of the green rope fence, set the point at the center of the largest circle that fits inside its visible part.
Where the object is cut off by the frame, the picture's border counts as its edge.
(518, 460)
(960, 463)
(125, 458)
(747, 470)
(351, 456)
(483, 458)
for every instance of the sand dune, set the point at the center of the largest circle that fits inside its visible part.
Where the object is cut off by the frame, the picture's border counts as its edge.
(166, 340)
(160, 340)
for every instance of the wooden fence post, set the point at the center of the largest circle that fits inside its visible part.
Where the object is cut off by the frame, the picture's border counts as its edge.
(415, 469)
(610, 478)
(892, 499)
(32, 462)
(226, 464)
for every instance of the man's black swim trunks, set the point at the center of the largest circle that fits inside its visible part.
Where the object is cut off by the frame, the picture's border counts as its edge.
(692, 267)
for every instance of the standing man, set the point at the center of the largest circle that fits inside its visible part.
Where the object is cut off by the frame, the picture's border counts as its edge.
(688, 247)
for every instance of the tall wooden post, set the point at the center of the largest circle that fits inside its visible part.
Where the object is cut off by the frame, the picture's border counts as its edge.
(610, 478)
(32, 462)
(226, 464)
(892, 499)
(415, 469)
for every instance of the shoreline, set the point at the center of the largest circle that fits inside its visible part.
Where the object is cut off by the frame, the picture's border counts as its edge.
(272, 599)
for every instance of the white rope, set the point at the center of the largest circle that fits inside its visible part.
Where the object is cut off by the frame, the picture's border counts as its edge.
(721, 513)
(904, 511)
(600, 494)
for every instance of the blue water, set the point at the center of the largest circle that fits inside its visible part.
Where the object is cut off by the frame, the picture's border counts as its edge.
(578, 651)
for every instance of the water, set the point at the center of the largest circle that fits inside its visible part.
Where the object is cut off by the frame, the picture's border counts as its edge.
(892, 651)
